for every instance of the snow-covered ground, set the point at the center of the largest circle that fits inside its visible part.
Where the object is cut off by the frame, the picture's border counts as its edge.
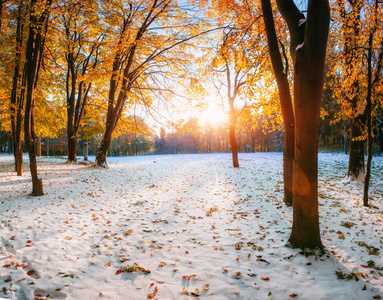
(182, 226)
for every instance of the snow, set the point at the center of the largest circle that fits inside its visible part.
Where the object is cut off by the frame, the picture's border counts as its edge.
(299, 46)
(193, 221)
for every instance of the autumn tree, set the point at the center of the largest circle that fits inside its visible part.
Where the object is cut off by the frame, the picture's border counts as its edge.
(350, 12)
(38, 22)
(308, 34)
(78, 25)
(148, 33)
(18, 80)
(235, 68)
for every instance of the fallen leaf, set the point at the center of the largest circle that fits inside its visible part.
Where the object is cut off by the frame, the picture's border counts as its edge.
(31, 272)
(151, 296)
(293, 295)
(162, 264)
(8, 280)
(265, 278)
(118, 272)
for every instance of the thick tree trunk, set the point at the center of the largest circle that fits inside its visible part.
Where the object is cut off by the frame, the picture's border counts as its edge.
(103, 147)
(356, 158)
(72, 148)
(305, 231)
(308, 46)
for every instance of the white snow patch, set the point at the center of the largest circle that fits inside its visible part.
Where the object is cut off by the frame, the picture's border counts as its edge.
(193, 220)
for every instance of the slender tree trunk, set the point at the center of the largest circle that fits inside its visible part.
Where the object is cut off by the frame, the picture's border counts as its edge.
(39, 146)
(71, 88)
(35, 47)
(233, 144)
(345, 138)
(47, 142)
(85, 149)
(17, 102)
(281, 73)
(369, 121)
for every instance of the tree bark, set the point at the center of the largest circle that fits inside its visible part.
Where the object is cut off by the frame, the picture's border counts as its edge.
(35, 47)
(308, 46)
(233, 141)
(281, 74)
(17, 102)
(356, 157)
(352, 53)
(103, 147)
(369, 123)
(39, 146)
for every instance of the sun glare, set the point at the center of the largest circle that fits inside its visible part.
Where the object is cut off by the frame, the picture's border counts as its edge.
(214, 117)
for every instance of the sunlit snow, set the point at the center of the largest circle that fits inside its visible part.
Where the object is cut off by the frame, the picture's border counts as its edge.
(197, 224)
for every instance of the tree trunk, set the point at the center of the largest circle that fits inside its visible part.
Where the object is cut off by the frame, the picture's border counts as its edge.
(103, 146)
(233, 144)
(356, 158)
(39, 146)
(369, 121)
(17, 102)
(284, 98)
(35, 47)
(72, 147)
(85, 149)
(47, 143)
(308, 46)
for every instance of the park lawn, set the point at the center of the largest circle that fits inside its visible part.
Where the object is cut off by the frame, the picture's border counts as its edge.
(184, 226)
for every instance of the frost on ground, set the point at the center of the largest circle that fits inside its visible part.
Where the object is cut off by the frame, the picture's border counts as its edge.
(183, 226)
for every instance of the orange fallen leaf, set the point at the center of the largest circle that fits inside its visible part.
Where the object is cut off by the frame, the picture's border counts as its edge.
(293, 295)
(151, 296)
(30, 272)
(156, 288)
(8, 280)
(265, 278)
(162, 264)
(6, 266)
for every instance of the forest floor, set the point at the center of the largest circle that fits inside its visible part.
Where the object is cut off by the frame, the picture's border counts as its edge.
(184, 226)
